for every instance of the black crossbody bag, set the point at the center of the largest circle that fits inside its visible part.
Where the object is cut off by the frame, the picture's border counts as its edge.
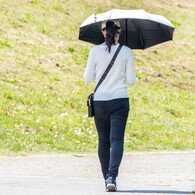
(91, 96)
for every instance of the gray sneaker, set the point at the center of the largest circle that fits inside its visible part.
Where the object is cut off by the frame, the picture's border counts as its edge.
(110, 184)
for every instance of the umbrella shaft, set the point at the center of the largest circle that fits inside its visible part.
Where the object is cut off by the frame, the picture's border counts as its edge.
(126, 32)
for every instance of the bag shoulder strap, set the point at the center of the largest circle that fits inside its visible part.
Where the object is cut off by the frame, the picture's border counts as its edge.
(108, 68)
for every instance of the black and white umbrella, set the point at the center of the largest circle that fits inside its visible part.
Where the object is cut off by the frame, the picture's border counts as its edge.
(140, 29)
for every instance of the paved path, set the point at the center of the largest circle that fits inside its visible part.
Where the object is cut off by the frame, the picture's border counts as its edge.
(69, 174)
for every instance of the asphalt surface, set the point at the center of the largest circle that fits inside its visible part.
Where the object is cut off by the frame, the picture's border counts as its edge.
(79, 174)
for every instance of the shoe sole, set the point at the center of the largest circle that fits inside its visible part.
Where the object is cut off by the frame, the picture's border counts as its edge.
(110, 188)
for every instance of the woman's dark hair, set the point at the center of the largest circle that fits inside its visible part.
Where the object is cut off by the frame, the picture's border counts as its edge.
(111, 31)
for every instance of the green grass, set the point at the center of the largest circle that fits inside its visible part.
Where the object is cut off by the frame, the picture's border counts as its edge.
(43, 94)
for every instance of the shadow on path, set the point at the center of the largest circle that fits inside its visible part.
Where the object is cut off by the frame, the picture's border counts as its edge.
(154, 191)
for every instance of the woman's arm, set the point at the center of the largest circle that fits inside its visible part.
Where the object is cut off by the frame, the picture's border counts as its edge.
(89, 75)
(130, 72)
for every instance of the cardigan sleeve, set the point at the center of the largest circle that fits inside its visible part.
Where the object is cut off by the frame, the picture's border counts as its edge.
(130, 72)
(89, 74)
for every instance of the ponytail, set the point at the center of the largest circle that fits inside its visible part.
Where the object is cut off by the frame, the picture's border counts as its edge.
(111, 31)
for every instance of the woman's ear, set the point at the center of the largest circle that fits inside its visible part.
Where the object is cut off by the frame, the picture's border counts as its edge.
(119, 31)
(104, 33)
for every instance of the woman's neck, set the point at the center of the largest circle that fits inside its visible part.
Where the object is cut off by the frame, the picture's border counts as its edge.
(116, 43)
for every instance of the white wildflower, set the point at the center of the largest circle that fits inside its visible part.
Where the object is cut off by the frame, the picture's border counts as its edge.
(90, 132)
(63, 114)
(59, 99)
(37, 121)
(79, 132)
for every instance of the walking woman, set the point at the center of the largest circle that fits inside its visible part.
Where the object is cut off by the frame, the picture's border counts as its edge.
(111, 100)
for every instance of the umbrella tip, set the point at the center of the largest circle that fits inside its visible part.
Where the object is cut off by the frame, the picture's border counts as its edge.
(95, 14)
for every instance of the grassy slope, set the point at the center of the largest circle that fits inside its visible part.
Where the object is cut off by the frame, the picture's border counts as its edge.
(43, 95)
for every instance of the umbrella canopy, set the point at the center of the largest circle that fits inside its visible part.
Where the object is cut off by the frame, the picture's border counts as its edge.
(140, 29)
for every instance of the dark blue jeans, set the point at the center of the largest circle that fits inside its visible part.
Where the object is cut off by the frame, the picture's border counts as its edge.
(110, 119)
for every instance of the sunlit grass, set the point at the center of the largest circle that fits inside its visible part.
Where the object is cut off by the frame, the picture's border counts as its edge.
(43, 94)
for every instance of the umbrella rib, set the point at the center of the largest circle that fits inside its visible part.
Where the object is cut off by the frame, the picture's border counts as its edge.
(140, 36)
(165, 31)
(141, 39)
